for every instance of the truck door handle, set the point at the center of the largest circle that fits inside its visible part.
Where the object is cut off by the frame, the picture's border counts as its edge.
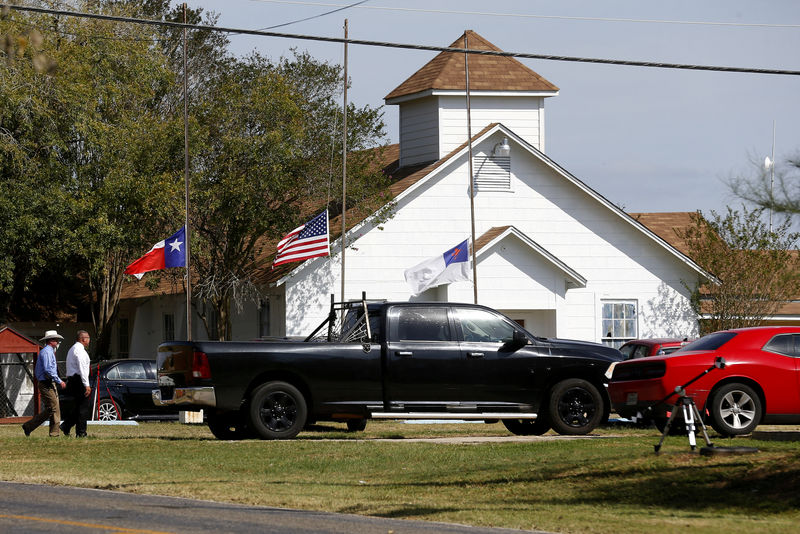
(475, 355)
(404, 353)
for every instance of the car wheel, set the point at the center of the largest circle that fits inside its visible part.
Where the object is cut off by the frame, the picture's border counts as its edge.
(108, 410)
(227, 426)
(735, 409)
(356, 425)
(576, 407)
(277, 411)
(528, 427)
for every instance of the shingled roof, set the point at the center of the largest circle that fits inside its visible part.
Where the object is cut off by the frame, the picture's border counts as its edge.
(486, 73)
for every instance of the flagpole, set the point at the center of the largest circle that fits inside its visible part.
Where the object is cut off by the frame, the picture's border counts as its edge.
(471, 178)
(344, 156)
(186, 184)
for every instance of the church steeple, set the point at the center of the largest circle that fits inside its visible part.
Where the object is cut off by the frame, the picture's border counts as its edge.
(433, 108)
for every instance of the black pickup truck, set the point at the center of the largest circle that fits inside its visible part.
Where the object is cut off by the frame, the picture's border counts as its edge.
(391, 360)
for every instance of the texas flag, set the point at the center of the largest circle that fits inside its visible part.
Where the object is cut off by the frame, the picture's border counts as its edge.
(451, 266)
(168, 253)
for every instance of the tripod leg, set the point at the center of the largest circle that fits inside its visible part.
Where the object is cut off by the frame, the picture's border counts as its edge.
(666, 429)
(688, 416)
(702, 425)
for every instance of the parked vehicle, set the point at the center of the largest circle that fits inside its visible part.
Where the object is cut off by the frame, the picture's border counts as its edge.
(642, 348)
(125, 391)
(403, 360)
(759, 383)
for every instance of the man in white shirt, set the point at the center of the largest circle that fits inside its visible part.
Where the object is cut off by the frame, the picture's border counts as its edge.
(78, 386)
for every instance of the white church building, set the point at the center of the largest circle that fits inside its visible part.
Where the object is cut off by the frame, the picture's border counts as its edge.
(551, 252)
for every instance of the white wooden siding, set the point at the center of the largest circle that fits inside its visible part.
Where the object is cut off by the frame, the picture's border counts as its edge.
(419, 132)
(617, 260)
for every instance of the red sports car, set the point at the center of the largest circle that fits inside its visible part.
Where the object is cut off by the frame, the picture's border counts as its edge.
(643, 348)
(759, 383)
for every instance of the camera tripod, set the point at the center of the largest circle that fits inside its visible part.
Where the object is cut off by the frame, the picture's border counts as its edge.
(685, 405)
(691, 415)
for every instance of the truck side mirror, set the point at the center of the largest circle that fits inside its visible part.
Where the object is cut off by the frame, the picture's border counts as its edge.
(518, 340)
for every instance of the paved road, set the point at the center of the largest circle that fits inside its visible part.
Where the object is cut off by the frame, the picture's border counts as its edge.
(35, 508)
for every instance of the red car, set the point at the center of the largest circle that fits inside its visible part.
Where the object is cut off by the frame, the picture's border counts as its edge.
(642, 348)
(759, 383)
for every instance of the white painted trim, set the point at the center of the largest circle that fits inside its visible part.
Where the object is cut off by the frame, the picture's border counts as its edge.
(461, 92)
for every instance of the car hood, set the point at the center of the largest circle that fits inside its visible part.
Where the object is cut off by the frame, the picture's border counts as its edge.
(597, 350)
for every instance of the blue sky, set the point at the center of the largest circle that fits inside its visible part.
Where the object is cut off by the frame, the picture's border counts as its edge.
(647, 139)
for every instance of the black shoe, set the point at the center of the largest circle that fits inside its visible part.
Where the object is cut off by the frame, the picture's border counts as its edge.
(61, 427)
(27, 432)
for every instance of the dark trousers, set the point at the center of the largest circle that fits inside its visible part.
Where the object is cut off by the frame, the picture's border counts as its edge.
(79, 413)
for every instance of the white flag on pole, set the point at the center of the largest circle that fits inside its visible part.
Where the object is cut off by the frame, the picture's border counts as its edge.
(451, 266)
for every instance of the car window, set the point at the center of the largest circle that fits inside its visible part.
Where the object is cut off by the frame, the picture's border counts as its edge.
(423, 324)
(130, 371)
(482, 326)
(787, 344)
(709, 342)
(627, 350)
(641, 351)
(668, 350)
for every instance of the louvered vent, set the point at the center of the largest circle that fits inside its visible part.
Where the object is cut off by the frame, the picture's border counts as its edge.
(492, 173)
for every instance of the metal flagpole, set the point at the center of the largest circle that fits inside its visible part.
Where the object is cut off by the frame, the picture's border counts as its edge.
(344, 156)
(471, 178)
(186, 182)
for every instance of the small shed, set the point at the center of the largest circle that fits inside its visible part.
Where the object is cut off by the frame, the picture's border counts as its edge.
(18, 388)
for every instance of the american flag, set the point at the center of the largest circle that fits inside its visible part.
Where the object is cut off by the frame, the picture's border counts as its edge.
(309, 240)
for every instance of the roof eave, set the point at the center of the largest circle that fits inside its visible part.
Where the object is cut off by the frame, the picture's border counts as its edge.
(461, 92)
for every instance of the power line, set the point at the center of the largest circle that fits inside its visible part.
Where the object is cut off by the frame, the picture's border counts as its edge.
(339, 8)
(548, 17)
(548, 57)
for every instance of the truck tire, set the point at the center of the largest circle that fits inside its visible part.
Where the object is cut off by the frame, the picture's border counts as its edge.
(575, 407)
(735, 409)
(227, 426)
(277, 410)
(528, 427)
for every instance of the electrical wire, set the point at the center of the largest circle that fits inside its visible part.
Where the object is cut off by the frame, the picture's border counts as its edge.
(547, 57)
(340, 8)
(549, 17)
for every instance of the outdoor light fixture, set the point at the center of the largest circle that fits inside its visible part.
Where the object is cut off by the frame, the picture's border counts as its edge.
(502, 149)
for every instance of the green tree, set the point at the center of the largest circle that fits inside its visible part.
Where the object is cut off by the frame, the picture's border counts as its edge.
(268, 159)
(759, 268)
(99, 148)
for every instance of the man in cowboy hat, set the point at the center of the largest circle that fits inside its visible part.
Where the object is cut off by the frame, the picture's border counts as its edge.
(47, 375)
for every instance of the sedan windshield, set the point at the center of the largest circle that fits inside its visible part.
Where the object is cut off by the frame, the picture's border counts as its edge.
(709, 342)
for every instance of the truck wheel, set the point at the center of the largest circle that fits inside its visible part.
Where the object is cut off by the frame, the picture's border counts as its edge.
(576, 407)
(277, 411)
(227, 426)
(356, 425)
(735, 409)
(528, 427)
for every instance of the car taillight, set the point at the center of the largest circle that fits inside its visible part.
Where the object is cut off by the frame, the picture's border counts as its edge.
(200, 367)
(639, 370)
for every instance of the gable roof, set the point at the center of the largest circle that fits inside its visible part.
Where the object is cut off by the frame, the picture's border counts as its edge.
(669, 225)
(499, 233)
(486, 72)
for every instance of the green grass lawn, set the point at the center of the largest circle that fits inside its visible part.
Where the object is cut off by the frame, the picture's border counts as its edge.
(609, 483)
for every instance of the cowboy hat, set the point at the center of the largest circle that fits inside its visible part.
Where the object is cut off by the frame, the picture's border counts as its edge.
(51, 334)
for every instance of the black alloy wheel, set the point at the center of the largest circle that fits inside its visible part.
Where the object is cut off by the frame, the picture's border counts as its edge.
(576, 407)
(277, 411)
